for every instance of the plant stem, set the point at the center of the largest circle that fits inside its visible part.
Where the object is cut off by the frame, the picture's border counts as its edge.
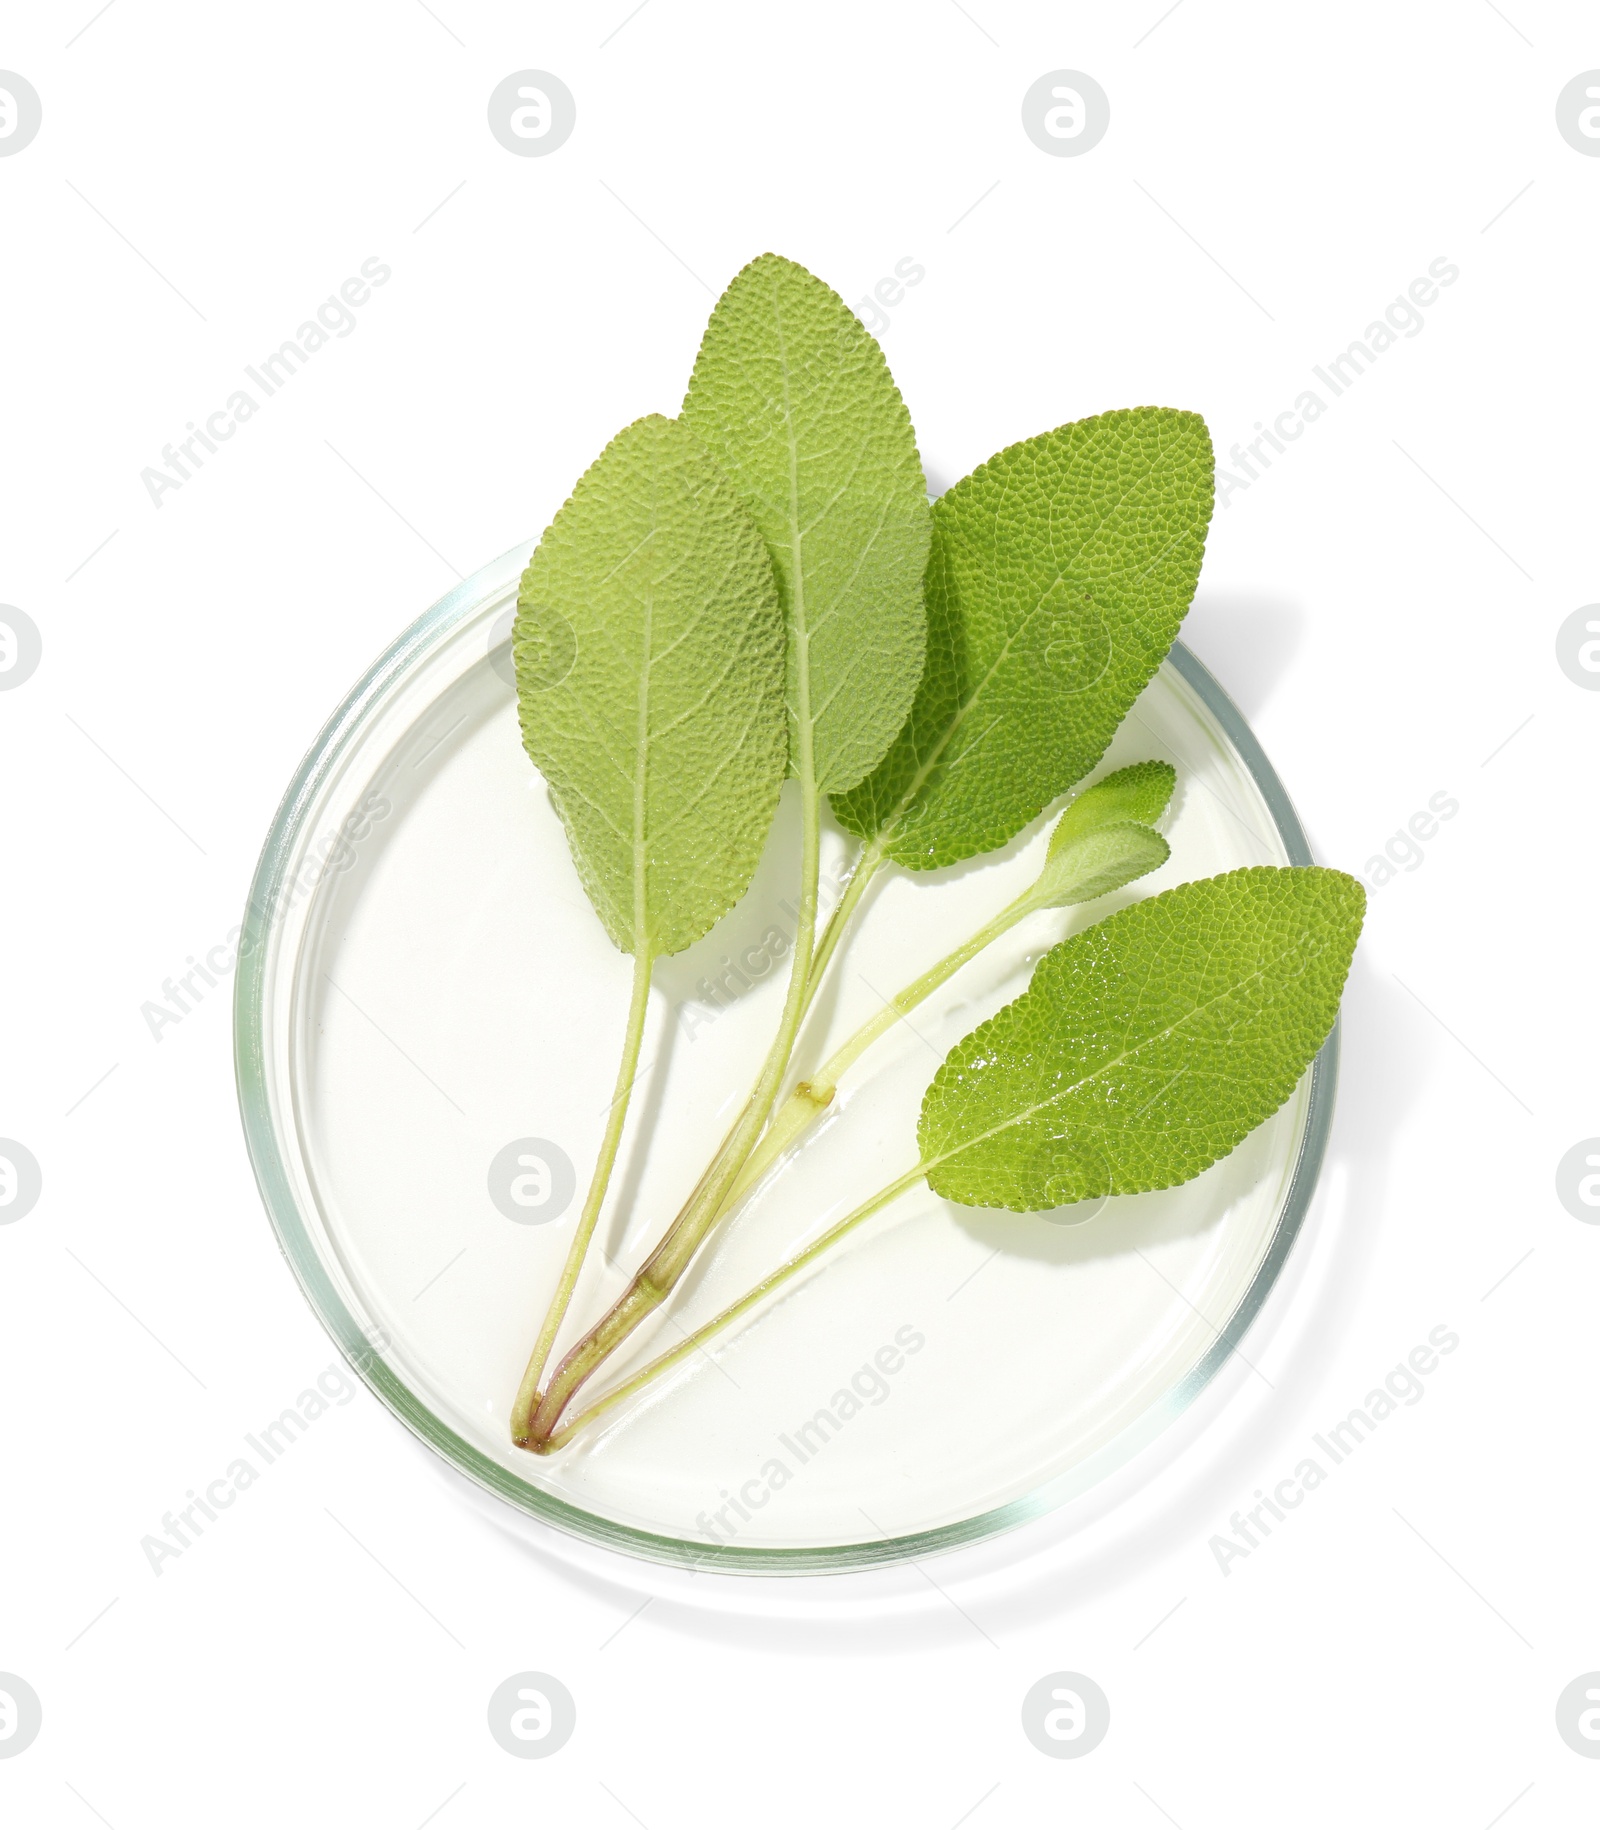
(806, 1104)
(867, 867)
(694, 1342)
(627, 1073)
(678, 1245)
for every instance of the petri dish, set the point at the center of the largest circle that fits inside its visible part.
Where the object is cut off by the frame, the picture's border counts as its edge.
(427, 1016)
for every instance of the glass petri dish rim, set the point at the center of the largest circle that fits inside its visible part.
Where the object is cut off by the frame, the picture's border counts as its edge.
(251, 1017)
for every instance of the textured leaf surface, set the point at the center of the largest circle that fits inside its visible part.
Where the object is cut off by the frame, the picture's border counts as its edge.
(1147, 1047)
(1105, 838)
(1099, 861)
(649, 656)
(793, 398)
(1059, 573)
(1139, 792)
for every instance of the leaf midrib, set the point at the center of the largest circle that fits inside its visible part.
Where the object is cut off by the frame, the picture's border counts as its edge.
(806, 761)
(641, 904)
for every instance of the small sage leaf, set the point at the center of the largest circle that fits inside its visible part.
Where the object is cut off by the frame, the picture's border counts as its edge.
(1098, 862)
(1139, 792)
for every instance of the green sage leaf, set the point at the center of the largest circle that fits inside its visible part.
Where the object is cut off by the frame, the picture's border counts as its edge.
(649, 650)
(1147, 1047)
(1139, 792)
(1097, 862)
(1105, 838)
(1059, 573)
(794, 400)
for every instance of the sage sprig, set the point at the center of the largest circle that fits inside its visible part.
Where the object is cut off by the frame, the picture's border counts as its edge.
(649, 655)
(1143, 1051)
(759, 588)
(793, 399)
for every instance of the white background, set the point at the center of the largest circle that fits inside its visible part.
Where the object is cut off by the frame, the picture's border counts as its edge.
(1383, 603)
